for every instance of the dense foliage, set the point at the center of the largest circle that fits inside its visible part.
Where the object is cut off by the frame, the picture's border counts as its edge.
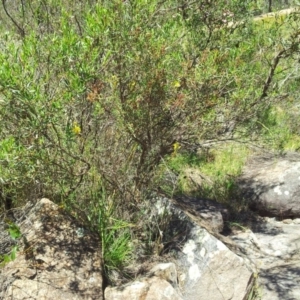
(95, 96)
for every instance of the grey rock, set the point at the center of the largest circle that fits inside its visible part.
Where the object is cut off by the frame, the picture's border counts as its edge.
(271, 185)
(274, 248)
(6, 240)
(203, 268)
(57, 259)
(209, 213)
(209, 270)
(280, 283)
(165, 271)
(161, 285)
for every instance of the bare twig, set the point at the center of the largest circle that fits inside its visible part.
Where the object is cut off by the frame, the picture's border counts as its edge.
(20, 29)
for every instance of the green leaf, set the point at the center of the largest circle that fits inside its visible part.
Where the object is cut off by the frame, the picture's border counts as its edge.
(13, 253)
(14, 231)
(6, 258)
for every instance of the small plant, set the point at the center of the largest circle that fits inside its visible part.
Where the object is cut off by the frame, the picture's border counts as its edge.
(236, 225)
(114, 233)
(14, 233)
(255, 292)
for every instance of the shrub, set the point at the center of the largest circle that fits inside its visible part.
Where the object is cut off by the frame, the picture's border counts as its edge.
(95, 94)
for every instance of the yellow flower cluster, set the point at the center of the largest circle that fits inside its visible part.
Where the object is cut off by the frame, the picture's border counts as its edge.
(176, 147)
(76, 129)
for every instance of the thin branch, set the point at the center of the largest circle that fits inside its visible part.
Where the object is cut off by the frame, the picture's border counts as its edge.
(268, 81)
(21, 30)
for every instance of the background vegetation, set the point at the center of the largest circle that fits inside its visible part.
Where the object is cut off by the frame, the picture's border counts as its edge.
(101, 100)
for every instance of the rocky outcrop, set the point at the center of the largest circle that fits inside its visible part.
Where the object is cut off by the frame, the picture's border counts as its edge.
(207, 269)
(58, 258)
(274, 247)
(208, 213)
(271, 185)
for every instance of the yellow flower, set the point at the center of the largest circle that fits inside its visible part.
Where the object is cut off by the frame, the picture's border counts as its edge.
(76, 129)
(176, 84)
(131, 85)
(176, 146)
